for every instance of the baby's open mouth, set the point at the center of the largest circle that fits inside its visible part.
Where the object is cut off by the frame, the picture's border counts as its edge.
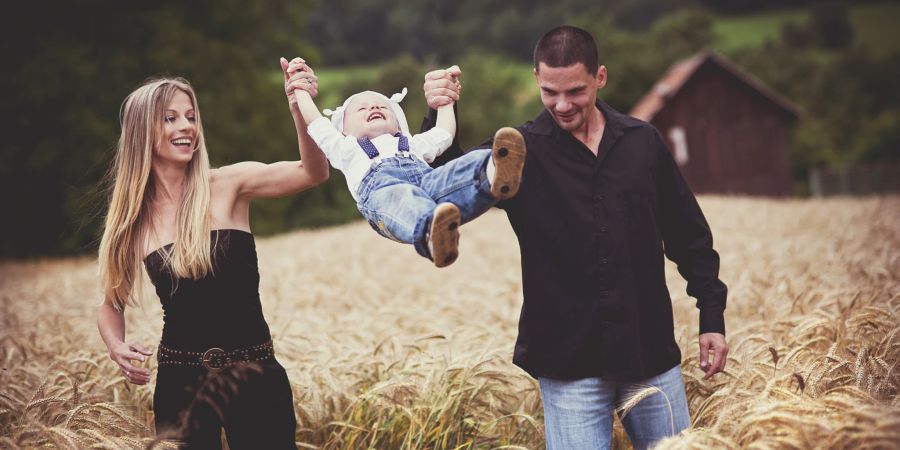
(375, 115)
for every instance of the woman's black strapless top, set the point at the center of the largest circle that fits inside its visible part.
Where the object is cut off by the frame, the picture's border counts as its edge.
(220, 310)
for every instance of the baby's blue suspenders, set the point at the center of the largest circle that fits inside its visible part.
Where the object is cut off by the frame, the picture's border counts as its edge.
(372, 152)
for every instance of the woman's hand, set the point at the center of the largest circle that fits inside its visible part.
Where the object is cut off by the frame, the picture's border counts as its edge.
(125, 355)
(442, 87)
(298, 76)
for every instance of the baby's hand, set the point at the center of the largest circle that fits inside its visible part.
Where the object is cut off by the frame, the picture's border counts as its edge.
(442, 86)
(298, 76)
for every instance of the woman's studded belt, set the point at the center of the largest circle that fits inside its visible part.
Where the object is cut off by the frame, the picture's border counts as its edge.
(215, 359)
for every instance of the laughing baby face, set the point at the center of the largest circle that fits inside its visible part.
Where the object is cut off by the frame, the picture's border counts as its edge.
(369, 115)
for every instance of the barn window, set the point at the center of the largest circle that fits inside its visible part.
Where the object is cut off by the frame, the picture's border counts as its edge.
(679, 141)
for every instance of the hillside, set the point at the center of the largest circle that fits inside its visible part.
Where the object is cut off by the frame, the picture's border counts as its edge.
(874, 26)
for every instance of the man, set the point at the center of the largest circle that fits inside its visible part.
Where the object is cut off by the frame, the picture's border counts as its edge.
(601, 202)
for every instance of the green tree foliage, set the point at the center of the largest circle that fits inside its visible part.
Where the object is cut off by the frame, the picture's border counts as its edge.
(879, 139)
(432, 31)
(635, 61)
(829, 27)
(849, 101)
(497, 92)
(830, 24)
(751, 6)
(640, 15)
(340, 27)
(74, 63)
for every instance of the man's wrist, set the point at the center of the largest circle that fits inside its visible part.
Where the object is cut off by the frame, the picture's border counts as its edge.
(712, 320)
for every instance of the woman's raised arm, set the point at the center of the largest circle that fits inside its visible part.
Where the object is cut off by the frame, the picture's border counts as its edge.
(260, 180)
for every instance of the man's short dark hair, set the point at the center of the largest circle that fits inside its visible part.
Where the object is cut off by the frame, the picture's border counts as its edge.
(565, 46)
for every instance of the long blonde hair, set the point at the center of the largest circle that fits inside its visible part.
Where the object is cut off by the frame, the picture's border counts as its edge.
(128, 219)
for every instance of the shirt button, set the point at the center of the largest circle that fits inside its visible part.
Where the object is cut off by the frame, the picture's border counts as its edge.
(598, 197)
(603, 261)
(603, 294)
(604, 229)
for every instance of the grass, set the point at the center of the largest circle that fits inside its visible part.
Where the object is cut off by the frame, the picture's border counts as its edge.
(408, 356)
(755, 30)
(874, 26)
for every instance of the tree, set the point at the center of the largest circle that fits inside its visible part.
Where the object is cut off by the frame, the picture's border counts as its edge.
(830, 25)
(74, 67)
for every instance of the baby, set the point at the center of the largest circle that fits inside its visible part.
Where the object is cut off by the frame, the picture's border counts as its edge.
(387, 170)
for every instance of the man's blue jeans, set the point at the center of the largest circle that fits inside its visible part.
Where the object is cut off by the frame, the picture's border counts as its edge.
(578, 413)
(398, 195)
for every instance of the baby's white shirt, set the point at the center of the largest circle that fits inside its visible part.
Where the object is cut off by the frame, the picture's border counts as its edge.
(345, 154)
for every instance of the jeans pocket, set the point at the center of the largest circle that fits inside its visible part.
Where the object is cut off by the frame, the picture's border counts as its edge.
(365, 184)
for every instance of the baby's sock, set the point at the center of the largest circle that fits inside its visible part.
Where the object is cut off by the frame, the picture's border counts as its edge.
(490, 170)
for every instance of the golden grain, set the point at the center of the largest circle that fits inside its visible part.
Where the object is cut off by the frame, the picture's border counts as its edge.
(407, 356)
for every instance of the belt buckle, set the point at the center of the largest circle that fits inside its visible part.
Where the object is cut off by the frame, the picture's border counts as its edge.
(213, 359)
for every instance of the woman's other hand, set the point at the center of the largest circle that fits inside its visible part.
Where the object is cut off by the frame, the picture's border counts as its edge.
(129, 356)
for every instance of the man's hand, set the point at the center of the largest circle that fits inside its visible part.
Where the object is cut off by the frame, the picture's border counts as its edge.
(714, 342)
(442, 87)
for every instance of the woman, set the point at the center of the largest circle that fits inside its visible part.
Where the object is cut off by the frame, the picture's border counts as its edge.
(190, 227)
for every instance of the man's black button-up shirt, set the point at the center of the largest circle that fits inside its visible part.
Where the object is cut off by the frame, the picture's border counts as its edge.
(593, 232)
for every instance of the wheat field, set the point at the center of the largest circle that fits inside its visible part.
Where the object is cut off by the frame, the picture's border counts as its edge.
(384, 351)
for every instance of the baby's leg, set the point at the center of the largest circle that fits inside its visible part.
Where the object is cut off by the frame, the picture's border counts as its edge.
(399, 211)
(465, 181)
(405, 213)
(443, 237)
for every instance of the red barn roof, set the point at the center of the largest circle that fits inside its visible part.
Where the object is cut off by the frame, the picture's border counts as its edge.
(681, 72)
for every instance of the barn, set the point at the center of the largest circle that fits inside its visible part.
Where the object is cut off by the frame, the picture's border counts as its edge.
(728, 132)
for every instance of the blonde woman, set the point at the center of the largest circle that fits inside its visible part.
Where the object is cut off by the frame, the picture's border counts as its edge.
(189, 225)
